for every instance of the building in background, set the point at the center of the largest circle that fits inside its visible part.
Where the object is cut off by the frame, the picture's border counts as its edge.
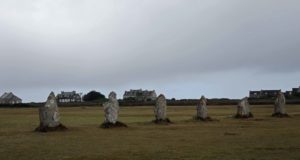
(296, 91)
(140, 95)
(264, 93)
(254, 94)
(288, 93)
(68, 97)
(10, 98)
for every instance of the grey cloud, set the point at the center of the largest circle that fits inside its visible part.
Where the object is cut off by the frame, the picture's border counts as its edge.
(59, 44)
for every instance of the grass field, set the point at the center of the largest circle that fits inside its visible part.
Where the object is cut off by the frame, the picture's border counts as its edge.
(263, 138)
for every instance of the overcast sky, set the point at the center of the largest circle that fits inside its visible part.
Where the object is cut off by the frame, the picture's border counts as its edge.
(182, 48)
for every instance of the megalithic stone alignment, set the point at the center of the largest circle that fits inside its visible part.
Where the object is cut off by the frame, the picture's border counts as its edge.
(49, 116)
(111, 112)
(279, 106)
(160, 110)
(243, 109)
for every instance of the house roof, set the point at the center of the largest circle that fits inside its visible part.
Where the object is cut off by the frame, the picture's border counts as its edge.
(296, 89)
(68, 94)
(254, 91)
(271, 90)
(8, 96)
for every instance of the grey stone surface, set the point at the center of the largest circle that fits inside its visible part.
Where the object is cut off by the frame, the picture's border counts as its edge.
(49, 114)
(243, 108)
(111, 109)
(160, 109)
(279, 107)
(202, 108)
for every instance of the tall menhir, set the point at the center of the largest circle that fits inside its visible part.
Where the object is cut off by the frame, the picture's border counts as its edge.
(160, 110)
(49, 116)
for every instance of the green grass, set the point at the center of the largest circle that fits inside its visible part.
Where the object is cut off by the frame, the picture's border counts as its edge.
(263, 138)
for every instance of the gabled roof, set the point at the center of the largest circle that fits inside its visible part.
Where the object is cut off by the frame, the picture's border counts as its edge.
(5, 95)
(9, 95)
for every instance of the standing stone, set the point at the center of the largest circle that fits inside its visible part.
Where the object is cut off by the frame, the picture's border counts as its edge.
(160, 110)
(111, 109)
(111, 112)
(243, 109)
(49, 116)
(279, 107)
(202, 110)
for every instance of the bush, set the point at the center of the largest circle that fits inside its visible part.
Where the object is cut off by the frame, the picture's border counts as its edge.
(93, 96)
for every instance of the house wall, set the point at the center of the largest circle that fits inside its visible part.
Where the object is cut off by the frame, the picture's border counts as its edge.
(139, 95)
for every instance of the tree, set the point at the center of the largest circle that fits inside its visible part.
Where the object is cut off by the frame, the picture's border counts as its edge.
(93, 96)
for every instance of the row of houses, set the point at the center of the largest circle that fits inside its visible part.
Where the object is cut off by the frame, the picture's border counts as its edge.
(139, 95)
(63, 97)
(295, 92)
(134, 95)
(74, 97)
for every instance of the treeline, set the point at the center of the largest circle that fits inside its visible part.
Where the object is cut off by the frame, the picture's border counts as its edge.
(182, 102)
(193, 102)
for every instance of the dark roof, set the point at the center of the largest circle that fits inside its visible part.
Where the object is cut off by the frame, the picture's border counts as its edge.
(265, 91)
(271, 90)
(296, 89)
(8, 96)
(254, 91)
(68, 94)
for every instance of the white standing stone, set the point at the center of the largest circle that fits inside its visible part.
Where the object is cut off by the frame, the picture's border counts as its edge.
(111, 109)
(160, 108)
(202, 108)
(279, 107)
(49, 115)
(243, 108)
